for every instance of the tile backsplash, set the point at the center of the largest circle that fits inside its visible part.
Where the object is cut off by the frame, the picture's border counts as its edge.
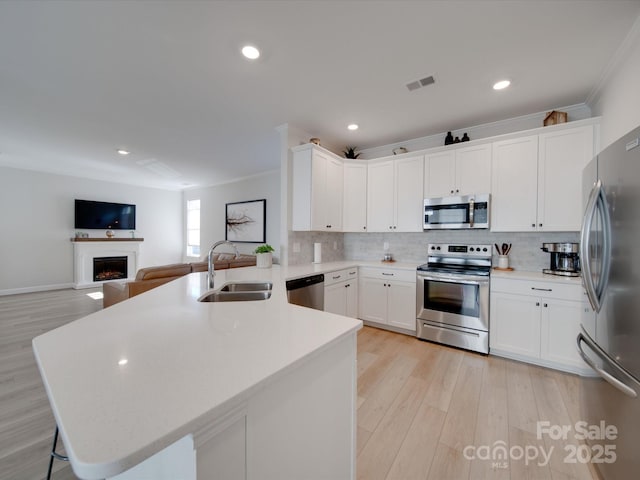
(412, 247)
(329, 240)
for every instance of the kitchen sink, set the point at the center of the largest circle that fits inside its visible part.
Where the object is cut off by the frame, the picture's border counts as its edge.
(235, 296)
(247, 287)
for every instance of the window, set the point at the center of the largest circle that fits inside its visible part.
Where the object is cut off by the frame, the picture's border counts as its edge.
(193, 228)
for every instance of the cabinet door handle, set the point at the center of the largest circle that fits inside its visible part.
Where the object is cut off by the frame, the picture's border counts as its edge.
(364, 228)
(533, 225)
(539, 224)
(543, 289)
(451, 191)
(537, 304)
(545, 305)
(347, 285)
(388, 274)
(457, 190)
(394, 227)
(385, 284)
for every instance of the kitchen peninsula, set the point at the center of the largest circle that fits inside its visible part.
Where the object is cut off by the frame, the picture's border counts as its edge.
(164, 386)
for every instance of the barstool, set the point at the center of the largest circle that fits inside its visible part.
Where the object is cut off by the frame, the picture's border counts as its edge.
(55, 454)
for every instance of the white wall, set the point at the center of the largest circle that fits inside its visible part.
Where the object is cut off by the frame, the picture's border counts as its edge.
(617, 98)
(212, 209)
(37, 212)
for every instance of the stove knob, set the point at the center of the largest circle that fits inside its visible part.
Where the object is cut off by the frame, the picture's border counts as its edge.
(484, 249)
(471, 249)
(438, 248)
(432, 247)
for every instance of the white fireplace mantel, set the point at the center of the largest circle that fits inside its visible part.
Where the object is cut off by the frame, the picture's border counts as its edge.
(86, 249)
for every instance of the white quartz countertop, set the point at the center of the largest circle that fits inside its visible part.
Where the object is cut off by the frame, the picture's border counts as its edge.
(535, 275)
(129, 380)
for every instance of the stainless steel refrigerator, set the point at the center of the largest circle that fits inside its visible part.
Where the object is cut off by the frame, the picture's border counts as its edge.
(610, 256)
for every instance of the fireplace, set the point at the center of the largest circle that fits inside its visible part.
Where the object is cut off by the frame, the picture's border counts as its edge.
(109, 268)
(85, 250)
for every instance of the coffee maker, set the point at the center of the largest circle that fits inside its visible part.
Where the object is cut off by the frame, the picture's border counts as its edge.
(564, 259)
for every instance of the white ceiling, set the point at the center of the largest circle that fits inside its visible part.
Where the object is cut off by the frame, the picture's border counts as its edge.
(165, 79)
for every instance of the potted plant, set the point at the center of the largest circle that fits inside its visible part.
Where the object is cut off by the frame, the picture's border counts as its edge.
(350, 152)
(264, 256)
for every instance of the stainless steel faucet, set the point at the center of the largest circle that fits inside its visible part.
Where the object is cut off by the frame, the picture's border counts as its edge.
(211, 268)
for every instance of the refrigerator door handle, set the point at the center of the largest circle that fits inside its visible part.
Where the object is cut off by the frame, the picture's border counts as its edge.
(596, 200)
(624, 388)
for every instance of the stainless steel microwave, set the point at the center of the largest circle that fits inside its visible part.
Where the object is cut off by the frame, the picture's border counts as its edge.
(453, 213)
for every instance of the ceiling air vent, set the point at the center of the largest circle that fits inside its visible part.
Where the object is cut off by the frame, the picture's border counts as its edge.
(423, 82)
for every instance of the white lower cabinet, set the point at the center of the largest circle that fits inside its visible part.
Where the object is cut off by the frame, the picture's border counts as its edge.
(341, 292)
(388, 297)
(515, 324)
(536, 322)
(221, 450)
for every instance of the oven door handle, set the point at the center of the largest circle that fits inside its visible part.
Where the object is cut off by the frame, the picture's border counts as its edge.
(465, 280)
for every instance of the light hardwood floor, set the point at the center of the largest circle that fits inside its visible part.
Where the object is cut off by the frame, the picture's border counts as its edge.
(26, 421)
(419, 404)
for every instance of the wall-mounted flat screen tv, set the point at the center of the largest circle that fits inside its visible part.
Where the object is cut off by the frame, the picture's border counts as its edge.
(99, 215)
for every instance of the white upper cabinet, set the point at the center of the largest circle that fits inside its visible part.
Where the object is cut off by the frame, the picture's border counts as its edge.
(380, 196)
(514, 191)
(460, 171)
(317, 190)
(354, 212)
(537, 181)
(562, 155)
(395, 195)
(439, 174)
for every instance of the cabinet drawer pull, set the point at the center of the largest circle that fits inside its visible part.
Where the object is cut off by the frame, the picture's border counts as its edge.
(543, 289)
(352, 273)
(388, 274)
(335, 277)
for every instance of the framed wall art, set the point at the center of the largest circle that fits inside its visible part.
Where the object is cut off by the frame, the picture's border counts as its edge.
(246, 221)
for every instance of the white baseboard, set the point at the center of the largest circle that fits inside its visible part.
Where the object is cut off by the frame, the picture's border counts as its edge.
(39, 288)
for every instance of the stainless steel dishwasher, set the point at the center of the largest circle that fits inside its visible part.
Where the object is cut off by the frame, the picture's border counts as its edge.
(307, 291)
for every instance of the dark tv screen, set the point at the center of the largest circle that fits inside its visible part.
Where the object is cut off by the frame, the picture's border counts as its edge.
(99, 215)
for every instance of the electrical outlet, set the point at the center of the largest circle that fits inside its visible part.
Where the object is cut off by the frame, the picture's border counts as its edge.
(386, 246)
(296, 247)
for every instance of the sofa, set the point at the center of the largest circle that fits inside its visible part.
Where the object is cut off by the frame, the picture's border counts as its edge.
(152, 277)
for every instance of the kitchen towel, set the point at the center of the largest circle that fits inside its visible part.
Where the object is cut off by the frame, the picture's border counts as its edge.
(317, 253)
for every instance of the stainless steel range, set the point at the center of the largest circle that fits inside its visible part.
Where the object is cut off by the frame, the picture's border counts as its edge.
(453, 296)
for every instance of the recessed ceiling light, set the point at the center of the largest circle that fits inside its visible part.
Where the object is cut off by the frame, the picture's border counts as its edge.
(123, 152)
(501, 84)
(123, 361)
(352, 126)
(250, 52)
